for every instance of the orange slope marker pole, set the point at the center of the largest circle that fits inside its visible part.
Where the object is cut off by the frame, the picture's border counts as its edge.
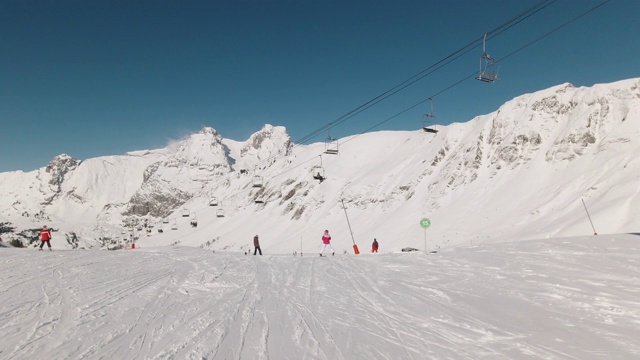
(355, 246)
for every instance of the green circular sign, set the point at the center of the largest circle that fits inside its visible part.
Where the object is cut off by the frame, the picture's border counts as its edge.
(425, 223)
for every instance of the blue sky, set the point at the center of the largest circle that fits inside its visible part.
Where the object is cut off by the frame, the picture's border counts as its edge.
(93, 78)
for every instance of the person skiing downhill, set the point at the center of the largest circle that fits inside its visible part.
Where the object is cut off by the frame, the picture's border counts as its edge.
(326, 241)
(374, 246)
(45, 237)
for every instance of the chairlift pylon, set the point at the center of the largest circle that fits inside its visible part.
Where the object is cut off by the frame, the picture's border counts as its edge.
(488, 68)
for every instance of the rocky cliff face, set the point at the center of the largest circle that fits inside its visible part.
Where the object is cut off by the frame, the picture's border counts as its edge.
(557, 125)
(57, 169)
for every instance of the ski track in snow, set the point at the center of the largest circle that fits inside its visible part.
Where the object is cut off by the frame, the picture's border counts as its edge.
(552, 299)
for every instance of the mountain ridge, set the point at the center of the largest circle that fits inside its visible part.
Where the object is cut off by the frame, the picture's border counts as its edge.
(535, 158)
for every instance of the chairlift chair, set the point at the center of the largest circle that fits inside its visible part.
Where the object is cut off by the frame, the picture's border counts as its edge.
(220, 211)
(174, 226)
(331, 145)
(213, 201)
(488, 68)
(318, 171)
(427, 129)
(257, 181)
(194, 221)
(185, 213)
(426, 120)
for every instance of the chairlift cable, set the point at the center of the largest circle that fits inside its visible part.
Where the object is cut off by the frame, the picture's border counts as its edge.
(424, 73)
(399, 88)
(553, 31)
(420, 75)
(474, 73)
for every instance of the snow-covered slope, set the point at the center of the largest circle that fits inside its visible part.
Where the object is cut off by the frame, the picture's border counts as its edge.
(521, 172)
(570, 298)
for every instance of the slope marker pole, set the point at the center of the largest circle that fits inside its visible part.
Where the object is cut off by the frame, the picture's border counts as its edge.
(355, 247)
(589, 216)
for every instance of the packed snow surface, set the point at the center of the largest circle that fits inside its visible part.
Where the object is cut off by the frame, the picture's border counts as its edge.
(561, 298)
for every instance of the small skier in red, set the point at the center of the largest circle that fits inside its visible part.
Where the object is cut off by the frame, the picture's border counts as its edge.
(45, 237)
(326, 241)
(374, 246)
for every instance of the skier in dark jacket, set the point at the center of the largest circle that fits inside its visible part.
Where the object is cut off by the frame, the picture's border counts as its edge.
(374, 246)
(256, 243)
(45, 237)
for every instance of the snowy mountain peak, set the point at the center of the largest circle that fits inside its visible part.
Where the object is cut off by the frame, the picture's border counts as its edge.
(62, 162)
(268, 142)
(209, 131)
(59, 166)
(202, 149)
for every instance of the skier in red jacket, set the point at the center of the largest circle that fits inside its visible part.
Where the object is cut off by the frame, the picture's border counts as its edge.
(374, 246)
(45, 237)
(326, 242)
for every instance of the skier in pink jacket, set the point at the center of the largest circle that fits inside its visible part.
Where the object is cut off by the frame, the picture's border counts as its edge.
(326, 241)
